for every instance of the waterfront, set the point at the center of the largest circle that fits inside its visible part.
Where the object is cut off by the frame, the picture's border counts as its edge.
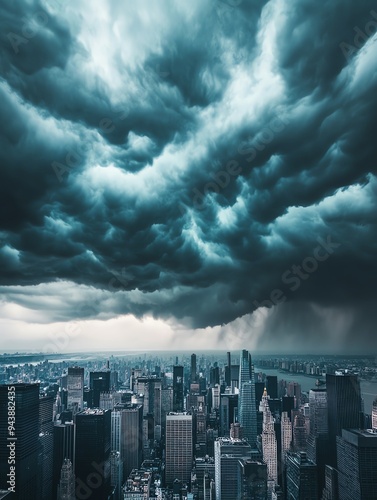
(368, 389)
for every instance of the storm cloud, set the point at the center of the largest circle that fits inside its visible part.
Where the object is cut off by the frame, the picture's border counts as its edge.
(192, 162)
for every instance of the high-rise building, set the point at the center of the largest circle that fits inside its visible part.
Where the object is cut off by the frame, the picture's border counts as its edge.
(20, 403)
(116, 475)
(299, 433)
(330, 491)
(228, 370)
(374, 415)
(193, 375)
(247, 413)
(46, 441)
(318, 436)
(357, 464)
(344, 407)
(253, 480)
(66, 487)
(75, 387)
(228, 403)
(92, 460)
(177, 388)
(301, 477)
(64, 436)
(286, 435)
(268, 438)
(227, 470)
(179, 448)
(127, 435)
(99, 382)
(272, 386)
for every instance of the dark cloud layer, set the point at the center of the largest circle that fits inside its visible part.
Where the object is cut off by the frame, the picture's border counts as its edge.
(183, 169)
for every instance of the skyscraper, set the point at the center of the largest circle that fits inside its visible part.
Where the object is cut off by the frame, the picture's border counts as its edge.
(357, 464)
(177, 388)
(253, 480)
(99, 382)
(23, 451)
(116, 474)
(269, 443)
(228, 403)
(344, 407)
(286, 435)
(299, 433)
(247, 414)
(46, 441)
(301, 477)
(179, 449)
(317, 448)
(66, 487)
(92, 461)
(127, 435)
(64, 436)
(227, 469)
(193, 375)
(75, 386)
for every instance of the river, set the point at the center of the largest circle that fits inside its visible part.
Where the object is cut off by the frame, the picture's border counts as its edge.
(368, 389)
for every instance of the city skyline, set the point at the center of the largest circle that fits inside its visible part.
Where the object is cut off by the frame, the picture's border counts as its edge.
(177, 175)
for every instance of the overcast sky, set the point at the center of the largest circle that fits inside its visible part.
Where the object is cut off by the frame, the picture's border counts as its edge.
(168, 168)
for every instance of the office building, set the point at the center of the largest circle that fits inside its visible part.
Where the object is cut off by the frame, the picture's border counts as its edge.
(299, 433)
(247, 413)
(177, 388)
(138, 485)
(272, 386)
(64, 436)
(98, 382)
(227, 470)
(46, 441)
(66, 487)
(344, 407)
(228, 404)
(116, 475)
(330, 491)
(24, 450)
(317, 445)
(179, 447)
(253, 480)
(357, 464)
(92, 460)
(75, 388)
(301, 477)
(268, 439)
(193, 375)
(127, 435)
(286, 435)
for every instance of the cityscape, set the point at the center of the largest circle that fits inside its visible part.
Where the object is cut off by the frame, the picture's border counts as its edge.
(206, 425)
(188, 241)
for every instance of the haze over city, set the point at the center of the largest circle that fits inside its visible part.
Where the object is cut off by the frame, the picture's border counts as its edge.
(178, 174)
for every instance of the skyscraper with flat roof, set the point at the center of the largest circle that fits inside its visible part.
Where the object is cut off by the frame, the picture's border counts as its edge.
(75, 387)
(179, 448)
(92, 461)
(23, 450)
(344, 407)
(64, 437)
(301, 477)
(227, 470)
(357, 464)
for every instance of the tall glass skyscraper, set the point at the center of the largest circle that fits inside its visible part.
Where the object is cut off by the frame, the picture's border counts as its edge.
(247, 413)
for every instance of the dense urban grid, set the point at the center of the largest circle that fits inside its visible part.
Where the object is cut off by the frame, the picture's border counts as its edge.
(199, 426)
